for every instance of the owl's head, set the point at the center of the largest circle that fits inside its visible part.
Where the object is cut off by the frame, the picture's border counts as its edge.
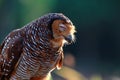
(63, 31)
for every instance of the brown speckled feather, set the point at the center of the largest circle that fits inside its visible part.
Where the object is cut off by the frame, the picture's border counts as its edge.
(27, 53)
(11, 50)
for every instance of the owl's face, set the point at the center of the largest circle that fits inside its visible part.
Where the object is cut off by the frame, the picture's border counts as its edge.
(63, 31)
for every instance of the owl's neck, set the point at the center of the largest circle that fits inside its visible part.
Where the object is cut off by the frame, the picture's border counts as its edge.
(57, 43)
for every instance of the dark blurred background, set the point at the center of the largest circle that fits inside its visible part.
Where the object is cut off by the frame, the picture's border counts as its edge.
(97, 46)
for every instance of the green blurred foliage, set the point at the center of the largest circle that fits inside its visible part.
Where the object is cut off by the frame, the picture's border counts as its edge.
(32, 9)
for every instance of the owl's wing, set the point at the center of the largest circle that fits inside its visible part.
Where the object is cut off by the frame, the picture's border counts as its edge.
(11, 49)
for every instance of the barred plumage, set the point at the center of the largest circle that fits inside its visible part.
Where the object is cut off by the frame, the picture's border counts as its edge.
(33, 51)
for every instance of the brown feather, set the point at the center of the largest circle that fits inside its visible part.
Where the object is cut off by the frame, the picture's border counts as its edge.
(33, 51)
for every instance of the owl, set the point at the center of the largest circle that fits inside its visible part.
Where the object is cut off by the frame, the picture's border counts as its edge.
(35, 50)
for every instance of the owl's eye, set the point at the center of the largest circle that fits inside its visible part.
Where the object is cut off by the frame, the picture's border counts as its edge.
(62, 27)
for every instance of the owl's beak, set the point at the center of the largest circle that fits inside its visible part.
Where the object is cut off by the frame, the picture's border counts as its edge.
(69, 38)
